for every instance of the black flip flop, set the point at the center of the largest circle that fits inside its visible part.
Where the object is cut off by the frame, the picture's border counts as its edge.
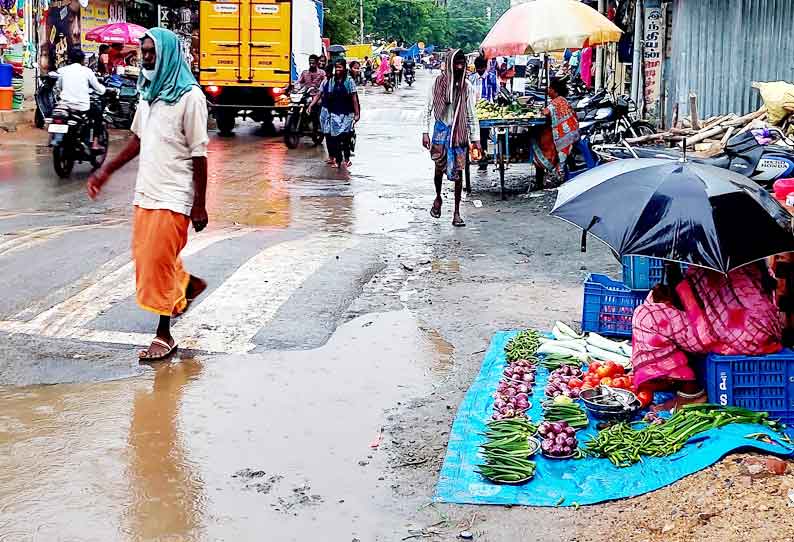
(435, 212)
(459, 223)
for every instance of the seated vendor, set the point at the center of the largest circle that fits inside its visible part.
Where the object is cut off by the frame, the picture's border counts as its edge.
(700, 313)
(556, 139)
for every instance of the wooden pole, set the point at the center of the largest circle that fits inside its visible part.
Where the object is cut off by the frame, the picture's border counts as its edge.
(693, 110)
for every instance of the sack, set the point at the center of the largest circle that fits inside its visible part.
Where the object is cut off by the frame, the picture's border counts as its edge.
(778, 97)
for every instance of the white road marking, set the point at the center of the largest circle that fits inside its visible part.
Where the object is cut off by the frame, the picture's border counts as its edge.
(230, 317)
(35, 237)
(225, 322)
(63, 320)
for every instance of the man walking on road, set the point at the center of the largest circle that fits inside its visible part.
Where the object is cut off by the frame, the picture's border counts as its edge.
(483, 83)
(449, 116)
(170, 134)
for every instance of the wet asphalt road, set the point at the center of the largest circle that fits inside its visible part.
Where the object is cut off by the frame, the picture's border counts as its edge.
(263, 430)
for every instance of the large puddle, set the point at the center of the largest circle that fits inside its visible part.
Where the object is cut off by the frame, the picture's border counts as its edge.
(258, 447)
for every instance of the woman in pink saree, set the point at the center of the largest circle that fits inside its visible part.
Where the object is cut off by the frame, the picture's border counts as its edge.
(704, 312)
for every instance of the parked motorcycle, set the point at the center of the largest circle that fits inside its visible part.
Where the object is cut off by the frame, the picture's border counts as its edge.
(301, 120)
(743, 154)
(46, 97)
(121, 106)
(608, 120)
(409, 73)
(71, 137)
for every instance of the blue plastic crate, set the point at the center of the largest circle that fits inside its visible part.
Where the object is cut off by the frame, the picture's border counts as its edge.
(761, 383)
(609, 306)
(643, 273)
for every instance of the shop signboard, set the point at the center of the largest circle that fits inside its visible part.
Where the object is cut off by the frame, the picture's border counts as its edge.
(652, 56)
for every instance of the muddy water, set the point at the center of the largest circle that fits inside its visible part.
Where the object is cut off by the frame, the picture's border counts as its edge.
(257, 447)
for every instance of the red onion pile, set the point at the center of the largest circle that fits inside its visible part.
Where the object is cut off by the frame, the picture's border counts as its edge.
(558, 382)
(559, 439)
(512, 395)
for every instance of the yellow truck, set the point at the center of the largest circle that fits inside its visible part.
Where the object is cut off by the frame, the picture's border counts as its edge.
(249, 53)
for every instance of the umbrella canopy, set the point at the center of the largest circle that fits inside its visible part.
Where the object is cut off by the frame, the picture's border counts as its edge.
(542, 26)
(678, 211)
(337, 49)
(126, 33)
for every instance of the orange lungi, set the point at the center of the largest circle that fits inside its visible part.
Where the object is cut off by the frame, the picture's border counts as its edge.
(158, 236)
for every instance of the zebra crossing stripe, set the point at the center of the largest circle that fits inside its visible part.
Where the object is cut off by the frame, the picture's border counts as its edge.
(66, 318)
(225, 322)
(230, 317)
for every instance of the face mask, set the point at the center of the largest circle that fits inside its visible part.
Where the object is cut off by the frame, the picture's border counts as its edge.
(148, 74)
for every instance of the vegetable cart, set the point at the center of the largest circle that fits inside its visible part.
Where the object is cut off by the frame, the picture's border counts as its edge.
(502, 130)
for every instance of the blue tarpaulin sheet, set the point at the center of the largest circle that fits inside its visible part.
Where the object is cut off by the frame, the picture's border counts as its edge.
(569, 482)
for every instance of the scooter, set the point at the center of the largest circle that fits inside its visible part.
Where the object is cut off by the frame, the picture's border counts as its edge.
(409, 74)
(763, 163)
(609, 121)
(71, 137)
(46, 97)
(121, 106)
(301, 120)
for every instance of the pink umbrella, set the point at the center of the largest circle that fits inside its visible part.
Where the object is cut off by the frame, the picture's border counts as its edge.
(125, 33)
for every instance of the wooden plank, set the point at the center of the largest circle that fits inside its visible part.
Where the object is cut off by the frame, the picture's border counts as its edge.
(727, 136)
(693, 111)
(703, 135)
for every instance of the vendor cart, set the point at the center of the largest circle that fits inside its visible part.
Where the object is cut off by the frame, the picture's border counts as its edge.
(502, 129)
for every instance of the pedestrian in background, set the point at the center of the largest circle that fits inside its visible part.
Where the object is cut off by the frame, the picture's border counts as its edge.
(340, 100)
(483, 83)
(450, 118)
(170, 135)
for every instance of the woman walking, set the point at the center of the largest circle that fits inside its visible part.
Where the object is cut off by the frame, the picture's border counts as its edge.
(342, 111)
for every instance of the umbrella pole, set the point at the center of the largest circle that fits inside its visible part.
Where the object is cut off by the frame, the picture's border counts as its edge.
(546, 75)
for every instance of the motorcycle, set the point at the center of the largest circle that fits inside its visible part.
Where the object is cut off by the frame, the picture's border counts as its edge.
(121, 105)
(608, 120)
(71, 137)
(301, 120)
(46, 97)
(409, 74)
(763, 163)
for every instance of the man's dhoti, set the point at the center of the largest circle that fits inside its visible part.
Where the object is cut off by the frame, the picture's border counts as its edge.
(158, 236)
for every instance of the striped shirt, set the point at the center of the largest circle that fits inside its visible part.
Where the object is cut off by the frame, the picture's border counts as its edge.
(484, 86)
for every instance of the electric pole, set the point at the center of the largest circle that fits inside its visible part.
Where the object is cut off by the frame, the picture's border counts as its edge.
(361, 19)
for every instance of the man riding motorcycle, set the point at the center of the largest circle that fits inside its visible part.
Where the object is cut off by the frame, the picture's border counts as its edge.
(75, 83)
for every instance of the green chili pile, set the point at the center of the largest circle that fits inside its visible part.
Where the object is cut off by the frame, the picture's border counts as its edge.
(623, 445)
(523, 346)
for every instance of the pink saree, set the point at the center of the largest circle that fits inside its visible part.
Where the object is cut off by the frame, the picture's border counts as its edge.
(722, 314)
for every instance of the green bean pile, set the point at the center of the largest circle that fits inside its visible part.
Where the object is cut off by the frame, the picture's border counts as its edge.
(507, 451)
(624, 445)
(523, 346)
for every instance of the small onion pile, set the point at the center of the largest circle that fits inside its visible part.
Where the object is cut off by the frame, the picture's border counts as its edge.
(512, 395)
(559, 439)
(558, 382)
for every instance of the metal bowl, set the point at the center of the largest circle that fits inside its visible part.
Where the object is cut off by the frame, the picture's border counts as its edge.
(610, 404)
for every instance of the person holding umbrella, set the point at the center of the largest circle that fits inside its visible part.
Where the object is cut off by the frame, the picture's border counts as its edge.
(450, 118)
(701, 313)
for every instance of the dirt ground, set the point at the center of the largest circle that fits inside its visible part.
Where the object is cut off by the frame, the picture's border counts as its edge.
(532, 278)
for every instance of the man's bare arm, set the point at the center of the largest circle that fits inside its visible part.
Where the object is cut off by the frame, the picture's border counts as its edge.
(199, 213)
(101, 176)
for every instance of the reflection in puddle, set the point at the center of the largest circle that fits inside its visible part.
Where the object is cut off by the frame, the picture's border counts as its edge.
(445, 266)
(158, 458)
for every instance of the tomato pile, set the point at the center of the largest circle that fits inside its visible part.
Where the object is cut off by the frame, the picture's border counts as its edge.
(611, 374)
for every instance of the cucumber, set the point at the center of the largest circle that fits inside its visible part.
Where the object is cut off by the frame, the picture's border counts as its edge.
(565, 330)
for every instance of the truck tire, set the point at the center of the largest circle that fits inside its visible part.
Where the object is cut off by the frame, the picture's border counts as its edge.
(225, 120)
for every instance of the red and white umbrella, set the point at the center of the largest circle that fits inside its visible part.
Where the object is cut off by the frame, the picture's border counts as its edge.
(542, 26)
(124, 33)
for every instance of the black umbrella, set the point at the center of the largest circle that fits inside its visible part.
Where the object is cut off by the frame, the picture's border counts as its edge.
(336, 49)
(678, 211)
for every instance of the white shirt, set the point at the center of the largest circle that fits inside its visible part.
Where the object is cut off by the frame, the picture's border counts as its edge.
(171, 136)
(449, 112)
(75, 84)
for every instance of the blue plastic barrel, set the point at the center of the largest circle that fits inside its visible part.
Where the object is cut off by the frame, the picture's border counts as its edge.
(6, 72)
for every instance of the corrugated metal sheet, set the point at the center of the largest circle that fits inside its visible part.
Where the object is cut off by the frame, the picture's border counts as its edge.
(721, 46)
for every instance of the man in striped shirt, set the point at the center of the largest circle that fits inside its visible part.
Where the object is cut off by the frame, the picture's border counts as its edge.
(483, 82)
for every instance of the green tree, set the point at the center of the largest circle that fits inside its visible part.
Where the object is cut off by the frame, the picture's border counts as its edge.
(341, 21)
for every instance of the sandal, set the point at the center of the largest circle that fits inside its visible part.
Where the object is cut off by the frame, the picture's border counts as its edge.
(144, 355)
(458, 222)
(435, 210)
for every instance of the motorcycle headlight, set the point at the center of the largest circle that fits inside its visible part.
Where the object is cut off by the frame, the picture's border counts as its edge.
(296, 98)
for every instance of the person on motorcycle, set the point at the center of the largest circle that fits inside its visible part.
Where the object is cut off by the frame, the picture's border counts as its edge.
(75, 83)
(483, 82)
(313, 79)
(397, 68)
(409, 66)
(368, 69)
